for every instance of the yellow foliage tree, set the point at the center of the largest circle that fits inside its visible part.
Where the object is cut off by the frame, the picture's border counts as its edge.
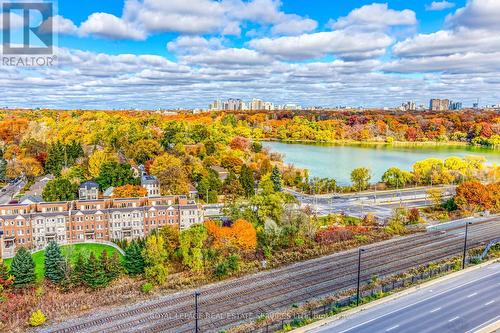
(97, 159)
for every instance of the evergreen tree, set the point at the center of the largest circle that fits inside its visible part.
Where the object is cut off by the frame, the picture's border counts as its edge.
(114, 266)
(276, 179)
(55, 159)
(23, 268)
(78, 271)
(247, 181)
(54, 263)
(94, 275)
(105, 263)
(73, 150)
(134, 261)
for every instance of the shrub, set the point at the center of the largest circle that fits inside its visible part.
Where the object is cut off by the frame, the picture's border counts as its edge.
(299, 241)
(37, 318)
(450, 205)
(147, 288)
(414, 216)
(220, 270)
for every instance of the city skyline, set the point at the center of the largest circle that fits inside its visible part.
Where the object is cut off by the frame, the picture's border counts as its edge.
(147, 54)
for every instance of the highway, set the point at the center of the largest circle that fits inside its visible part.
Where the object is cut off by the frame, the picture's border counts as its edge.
(380, 204)
(231, 302)
(464, 303)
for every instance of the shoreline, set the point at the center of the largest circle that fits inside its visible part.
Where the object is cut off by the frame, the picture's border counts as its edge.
(407, 144)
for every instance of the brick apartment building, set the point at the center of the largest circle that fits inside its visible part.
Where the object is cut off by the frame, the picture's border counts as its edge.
(34, 224)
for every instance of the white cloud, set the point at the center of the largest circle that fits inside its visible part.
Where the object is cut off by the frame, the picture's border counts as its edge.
(457, 63)
(446, 42)
(470, 44)
(375, 16)
(110, 26)
(348, 45)
(193, 44)
(228, 57)
(294, 25)
(59, 25)
(477, 14)
(439, 5)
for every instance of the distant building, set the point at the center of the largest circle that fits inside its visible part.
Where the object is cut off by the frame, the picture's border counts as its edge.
(233, 104)
(409, 106)
(88, 191)
(223, 173)
(151, 184)
(455, 105)
(439, 104)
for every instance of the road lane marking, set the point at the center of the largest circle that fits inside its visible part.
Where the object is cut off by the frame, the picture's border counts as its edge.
(436, 309)
(420, 301)
(490, 302)
(454, 318)
(393, 327)
(483, 325)
(471, 295)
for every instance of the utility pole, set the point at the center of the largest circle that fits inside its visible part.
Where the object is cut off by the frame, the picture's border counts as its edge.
(465, 243)
(359, 275)
(196, 295)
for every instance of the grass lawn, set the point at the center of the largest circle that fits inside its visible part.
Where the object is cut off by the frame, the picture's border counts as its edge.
(70, 251)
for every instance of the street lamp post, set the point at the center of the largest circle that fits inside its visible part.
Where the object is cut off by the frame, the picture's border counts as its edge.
(359, 275)
(465, 243)
(196, 295)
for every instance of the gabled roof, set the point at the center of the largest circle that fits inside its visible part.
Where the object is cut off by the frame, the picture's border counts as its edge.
(30, 199)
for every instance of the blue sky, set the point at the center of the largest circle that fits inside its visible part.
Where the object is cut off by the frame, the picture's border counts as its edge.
(150, 54)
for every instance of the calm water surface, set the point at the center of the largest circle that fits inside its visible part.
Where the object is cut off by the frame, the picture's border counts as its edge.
(337, 161)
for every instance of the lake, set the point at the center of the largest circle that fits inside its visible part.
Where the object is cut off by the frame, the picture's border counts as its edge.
(337, 161)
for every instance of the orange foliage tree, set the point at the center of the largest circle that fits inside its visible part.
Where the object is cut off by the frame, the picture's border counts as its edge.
(241, 235)
(472, 196)
(129, 191)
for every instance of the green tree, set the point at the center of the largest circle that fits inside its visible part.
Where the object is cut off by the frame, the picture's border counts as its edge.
(276, 179)
(210, 185)
(55, 159)
(79, 270)
(247, 180)
(23, 268)
(54, 263)
(191, 245)
(232, 188)
(60, 189)
(94, 276)
(155, 256)
(115, 174)
(396, 178)
(134, 262)
(115, 268)
(73, 151)
(173, 134)
(360, 178)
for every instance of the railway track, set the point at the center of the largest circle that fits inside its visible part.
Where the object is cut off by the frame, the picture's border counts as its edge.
(224, 303)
